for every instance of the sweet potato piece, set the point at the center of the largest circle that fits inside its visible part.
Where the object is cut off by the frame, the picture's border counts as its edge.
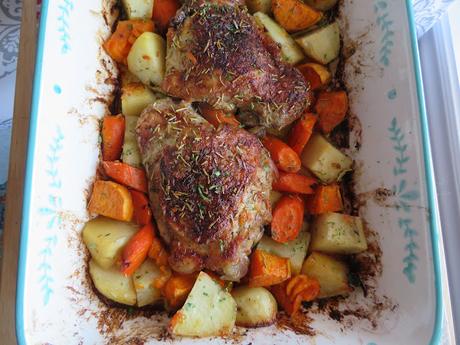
(294, 15)
(268, 269)
(112, 200)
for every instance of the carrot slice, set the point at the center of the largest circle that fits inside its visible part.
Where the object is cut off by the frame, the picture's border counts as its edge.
(158, 253)
(301, 132)
(294, 15)
(294, 183)
(217, 117)
(120, 42)
(284, 157)
(135, 251)
(177, 289)
(315, 74)
(112, 200)
(142, 214)
(268, 269)
(127, 175)
(331, 107)
(287, 218)
(326, 199)
(113, 132)
(163, 11)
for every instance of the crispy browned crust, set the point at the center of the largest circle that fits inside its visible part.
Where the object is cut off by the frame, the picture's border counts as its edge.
(230, 60)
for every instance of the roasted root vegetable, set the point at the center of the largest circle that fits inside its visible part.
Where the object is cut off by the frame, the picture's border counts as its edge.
(326, 199)
(290, 51)
(111, 283)
(338, 233)
(119, 44)
(267, 269)
(143, 279)
(294, 15)
(321, 5)
(256, 306)
(287, 218)
(130, 153)
(315, 74)
(291, 293)
(208, 311)
(146, 59)
(331, 274)
(294, 250)
(135, 97)
(264, 6)
(142, 213)
(136, 250)
(112, 200)
(163, 11)
(127, 175)
(294, 183)
(301, 132)
(113, 132)
(216, 116)
(138, 8)
(282, 155)
(331, 107)
(324, 160)
(177, 289)
(323, 44)
(158, 253)
(105, 238)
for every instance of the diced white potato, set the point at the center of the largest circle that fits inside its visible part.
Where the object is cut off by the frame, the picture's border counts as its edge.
(138, 8)
(337, 233)
(331, 274)
(208, 311)
(274, 197)
(146, 59)
(322, 5)
(105, 239)
(256, 306)
(264, 6)
(135, 97)
(290, 51)
(113, 284)
(130, 153)
(323, 44)
(294, 250)
(324, 160)
(143, 279)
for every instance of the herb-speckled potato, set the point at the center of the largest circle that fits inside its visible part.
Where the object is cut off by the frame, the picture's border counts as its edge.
(323, 44)
(135, 97)
(256, 306)
(130, 154)
(138, 8)
(143, 279)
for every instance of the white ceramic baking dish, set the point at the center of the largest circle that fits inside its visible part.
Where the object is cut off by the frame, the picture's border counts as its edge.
(393, 182)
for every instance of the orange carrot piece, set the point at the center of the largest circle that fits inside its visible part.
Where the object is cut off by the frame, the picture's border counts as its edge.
(163, 11)
(120, 42)
(268, 269)
(284, 157)
(294, 183)
(315, 74)
(287, 218)
(158, 253)
(331, 107)
(177, 289)
(294, 15)
(326, 199)
(112, 200)
(127, 175)
(142, 213)
(135, 251)
(165, 274)
(217, 117)
(291, 293)
(301, 132)
(113, 132)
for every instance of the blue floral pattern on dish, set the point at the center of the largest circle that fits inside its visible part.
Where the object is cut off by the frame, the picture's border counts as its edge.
(386, 27)
(64, 8)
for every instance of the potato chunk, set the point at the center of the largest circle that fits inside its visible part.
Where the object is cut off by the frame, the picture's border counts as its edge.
(208, 311)
(324, 160)
(146, 59)
(323, 44)
(331, 274)
(131, 154)
(105, 239)
(138, 8)
(337, 233)
(256, 307)
(135, 97)
(113, 284)
(143, 279)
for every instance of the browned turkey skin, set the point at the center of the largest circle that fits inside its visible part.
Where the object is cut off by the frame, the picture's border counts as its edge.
(209, 188)
(217, 54)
